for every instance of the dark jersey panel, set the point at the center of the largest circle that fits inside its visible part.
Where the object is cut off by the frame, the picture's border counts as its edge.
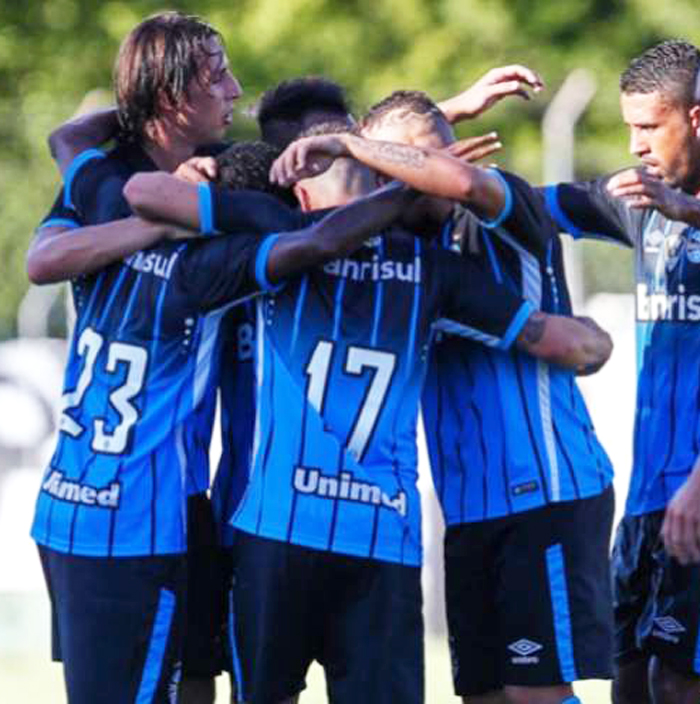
(341, 359)
(507, 433)
(667, 302)
(138, 393)
(237, 393)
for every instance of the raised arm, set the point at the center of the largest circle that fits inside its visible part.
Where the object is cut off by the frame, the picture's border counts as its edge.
(496, 84)
(81, 133)
(431, 171)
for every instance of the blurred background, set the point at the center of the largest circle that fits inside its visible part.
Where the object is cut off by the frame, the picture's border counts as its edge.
(56, 58)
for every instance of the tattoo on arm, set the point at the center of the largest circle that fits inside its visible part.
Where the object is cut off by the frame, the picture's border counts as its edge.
(398, 154)
(533, 329)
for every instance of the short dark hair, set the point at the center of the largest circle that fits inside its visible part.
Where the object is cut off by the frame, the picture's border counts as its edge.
(414, 101)
(280, 111)
(157, 60)
(328, 127)
(246, 166)
(670, 68)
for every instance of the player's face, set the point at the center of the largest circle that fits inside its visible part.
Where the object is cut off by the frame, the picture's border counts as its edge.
(209, 110)
(664, 137)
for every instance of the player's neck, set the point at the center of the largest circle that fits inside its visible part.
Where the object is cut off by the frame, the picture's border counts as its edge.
(167, 150)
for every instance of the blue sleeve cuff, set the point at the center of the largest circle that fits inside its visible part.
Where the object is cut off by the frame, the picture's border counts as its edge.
(261, 265)
(516, 325)
(552, 202)
(507, 206)
(72, 171)
(206, 210)
(59, 222)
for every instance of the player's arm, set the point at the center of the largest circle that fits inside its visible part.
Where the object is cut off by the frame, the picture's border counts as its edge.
(432, 171)
(476, 306)
(576, 343)
(75, 136)
(496, 84)
(680, 530)
(60, 253)
(642, 189)
(338, 233)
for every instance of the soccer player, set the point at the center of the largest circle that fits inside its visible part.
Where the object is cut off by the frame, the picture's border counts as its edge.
(295, 105)
(655, 208)
(524, 485)
(332, 495)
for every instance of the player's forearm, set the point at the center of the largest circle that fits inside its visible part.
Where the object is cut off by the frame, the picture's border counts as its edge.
(432, 171)
(85, 132)
(568, 342)
(158, 195)
(57, 254)
(339, 233)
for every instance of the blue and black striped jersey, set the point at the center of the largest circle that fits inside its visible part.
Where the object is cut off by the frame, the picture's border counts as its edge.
(138, 394)
(507, 432)
(237, 394)
(341, 359)
(667, 268)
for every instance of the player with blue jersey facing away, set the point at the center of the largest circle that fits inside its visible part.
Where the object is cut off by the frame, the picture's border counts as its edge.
(655, 209)
(475, 404)
(111, 512)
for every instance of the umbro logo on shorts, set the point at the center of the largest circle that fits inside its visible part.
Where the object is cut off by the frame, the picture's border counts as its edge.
(524, 650)
(667, 628)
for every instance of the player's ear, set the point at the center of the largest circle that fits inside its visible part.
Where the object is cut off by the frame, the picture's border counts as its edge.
(302, 195)
(695, 119)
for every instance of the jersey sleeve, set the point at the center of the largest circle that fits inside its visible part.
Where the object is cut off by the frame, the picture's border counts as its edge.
(474, 305)
(586, 209)
(225, 211)
(61, 215)
(93, 186)
(217, 272)
(524, 216)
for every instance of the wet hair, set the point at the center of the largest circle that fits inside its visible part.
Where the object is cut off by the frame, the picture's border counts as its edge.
(670, 68)
(409, 101)
(156, 62)
(246, 166)
(281, 110)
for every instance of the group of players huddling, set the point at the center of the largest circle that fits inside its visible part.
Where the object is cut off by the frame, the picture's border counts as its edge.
(324, 281)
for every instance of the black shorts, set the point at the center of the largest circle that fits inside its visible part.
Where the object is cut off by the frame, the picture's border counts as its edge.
(116, 625)
(529, 597)
(656, 599)
(205, 621)
(360, 619)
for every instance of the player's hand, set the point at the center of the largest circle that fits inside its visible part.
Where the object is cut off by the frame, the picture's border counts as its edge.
(476, 148)
(198, 169)
(493, 86)
(306, 158)
(681, 527)
(643, 188)
(177, 232)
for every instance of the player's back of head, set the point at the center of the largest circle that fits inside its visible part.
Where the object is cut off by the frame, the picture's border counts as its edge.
(670, 68)
(245, 166)
(294, 105)
(156, 63)
(400, 102)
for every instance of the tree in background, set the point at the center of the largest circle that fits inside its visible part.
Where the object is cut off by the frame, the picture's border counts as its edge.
(53, 53)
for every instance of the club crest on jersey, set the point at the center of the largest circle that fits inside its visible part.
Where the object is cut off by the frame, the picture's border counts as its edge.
(693, 246)
(61, 488)
(345, 486)
(653, 241)
(375, 270)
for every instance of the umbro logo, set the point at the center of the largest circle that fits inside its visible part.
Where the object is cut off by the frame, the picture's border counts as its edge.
(524, 647)
(669, 624)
